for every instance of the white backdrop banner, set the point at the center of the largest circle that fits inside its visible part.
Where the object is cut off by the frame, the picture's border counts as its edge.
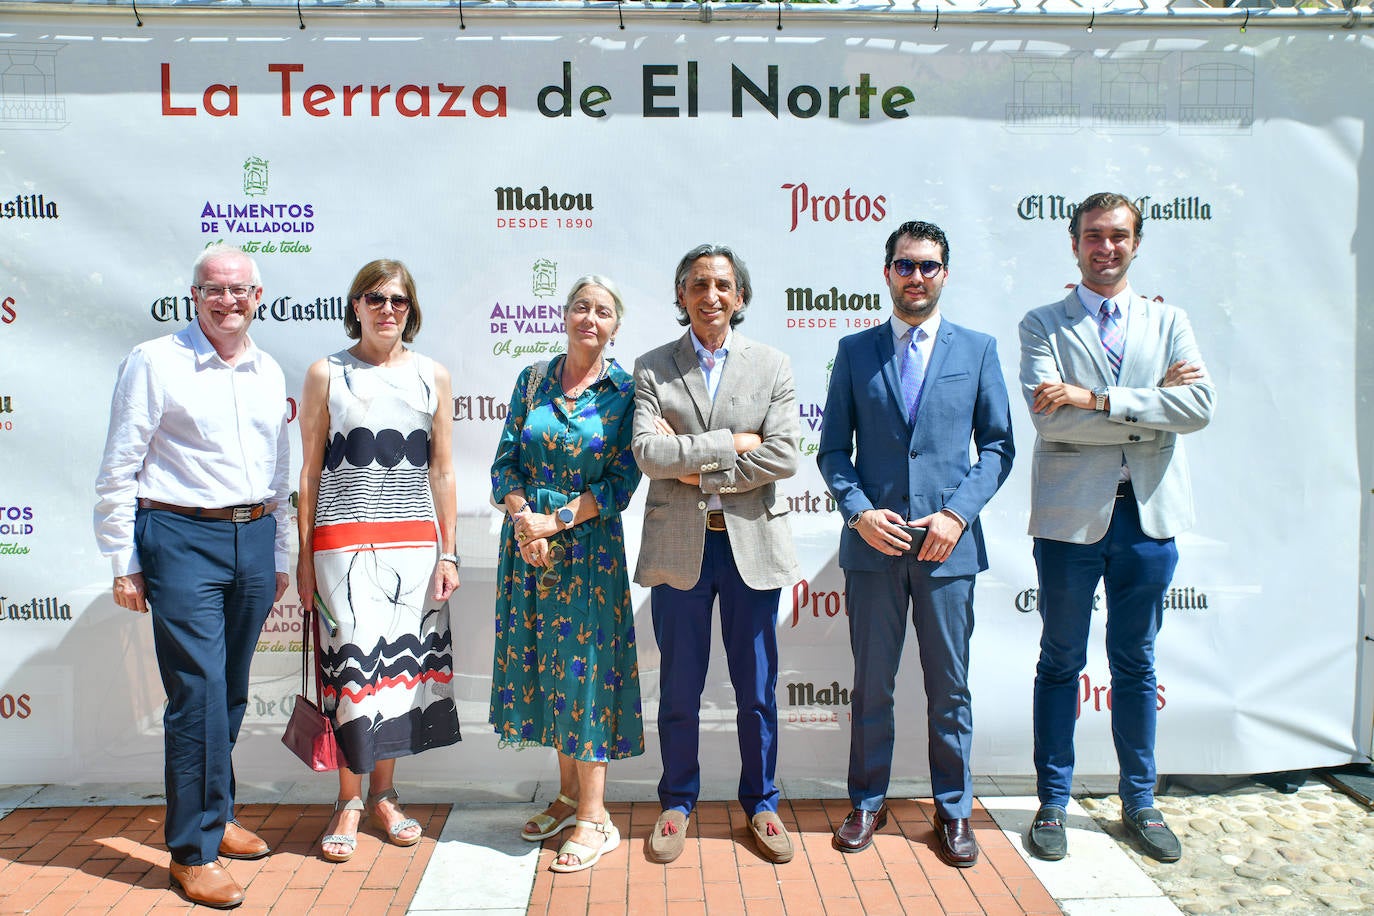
(505, 160)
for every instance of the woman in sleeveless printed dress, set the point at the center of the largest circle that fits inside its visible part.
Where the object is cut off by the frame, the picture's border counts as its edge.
(377, 515)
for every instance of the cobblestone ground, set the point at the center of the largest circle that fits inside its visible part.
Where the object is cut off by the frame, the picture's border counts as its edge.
(1249, 849)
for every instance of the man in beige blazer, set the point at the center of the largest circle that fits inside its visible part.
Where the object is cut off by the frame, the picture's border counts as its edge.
(715, 428)
(1112, 380)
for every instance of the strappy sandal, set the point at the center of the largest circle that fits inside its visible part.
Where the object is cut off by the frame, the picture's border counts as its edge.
(586, 856)
(546, 822)
(393, 832)
(342, 839)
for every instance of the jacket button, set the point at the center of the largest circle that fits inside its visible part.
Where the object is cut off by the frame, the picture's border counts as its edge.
(1135, 438)
(702, 504)
(913, 453)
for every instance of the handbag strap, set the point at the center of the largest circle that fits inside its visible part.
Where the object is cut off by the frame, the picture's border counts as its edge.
(540, 370)
(311, 622)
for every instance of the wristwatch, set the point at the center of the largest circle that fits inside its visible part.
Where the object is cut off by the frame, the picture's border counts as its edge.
(854, 519)
(452, 558)
(565, 516)
(1100, 393)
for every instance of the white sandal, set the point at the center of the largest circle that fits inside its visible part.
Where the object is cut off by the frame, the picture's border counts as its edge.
(394, 832)
(586, 856)
(547, 824)
(342, 839)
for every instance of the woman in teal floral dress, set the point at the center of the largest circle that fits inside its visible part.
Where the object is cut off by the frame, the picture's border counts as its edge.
(565, 673)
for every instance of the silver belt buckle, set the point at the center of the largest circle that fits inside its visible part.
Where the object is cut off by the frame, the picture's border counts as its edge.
(243, 514)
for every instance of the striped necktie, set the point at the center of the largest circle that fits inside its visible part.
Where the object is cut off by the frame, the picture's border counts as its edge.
(1113, 341)
(913, 373)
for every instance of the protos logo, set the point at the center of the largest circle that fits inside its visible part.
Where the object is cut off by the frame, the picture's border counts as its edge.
(8, 312)
(809, 602)
(847, 207)
(15, 707)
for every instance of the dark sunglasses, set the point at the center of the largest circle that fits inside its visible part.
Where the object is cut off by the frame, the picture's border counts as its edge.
(905, 267)
(550, 576)
(375, 301)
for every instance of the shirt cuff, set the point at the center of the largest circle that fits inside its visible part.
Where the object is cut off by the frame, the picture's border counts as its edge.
(963, 523)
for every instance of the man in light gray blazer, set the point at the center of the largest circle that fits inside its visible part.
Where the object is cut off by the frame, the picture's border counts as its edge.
(715, 428)
(1111, 379)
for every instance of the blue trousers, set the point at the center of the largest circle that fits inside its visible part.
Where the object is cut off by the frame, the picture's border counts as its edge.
(942, 615)
(210, 586)
(1136, 570)
(682, 625)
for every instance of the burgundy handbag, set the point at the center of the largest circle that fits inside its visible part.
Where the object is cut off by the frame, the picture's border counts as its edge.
(310, 733)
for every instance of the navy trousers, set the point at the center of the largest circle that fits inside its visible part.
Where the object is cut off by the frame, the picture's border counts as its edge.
(210, 586)
(1136, 570)
(942, 615)
(682, 625)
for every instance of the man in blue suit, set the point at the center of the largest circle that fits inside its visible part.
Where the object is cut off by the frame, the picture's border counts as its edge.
(906, 398)
(1112, 379)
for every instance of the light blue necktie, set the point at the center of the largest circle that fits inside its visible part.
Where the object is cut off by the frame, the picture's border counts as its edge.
(1112, 339)
(913, 373)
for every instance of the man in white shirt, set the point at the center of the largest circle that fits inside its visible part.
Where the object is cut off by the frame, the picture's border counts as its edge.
(192, 511)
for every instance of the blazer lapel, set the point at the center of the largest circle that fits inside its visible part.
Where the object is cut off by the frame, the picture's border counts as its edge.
(690, 369)
(890, 362)
(731, 376)
(937, 361)
(1138, 339)
(1085, 328)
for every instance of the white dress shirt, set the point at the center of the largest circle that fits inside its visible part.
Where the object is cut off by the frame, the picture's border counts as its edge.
(187, 428)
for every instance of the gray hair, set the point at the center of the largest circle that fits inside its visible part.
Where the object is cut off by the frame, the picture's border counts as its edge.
(217, 250)
(746, 289)
(605, 283)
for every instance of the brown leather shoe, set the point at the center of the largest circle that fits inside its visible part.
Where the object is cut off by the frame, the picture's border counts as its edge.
(858, 828)
(209, 885)
(242, 843)
(957, 845)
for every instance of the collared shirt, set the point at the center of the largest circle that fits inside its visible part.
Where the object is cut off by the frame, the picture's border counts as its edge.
(187, 428)
(925, 347)
(1092, 304)
(712, 362)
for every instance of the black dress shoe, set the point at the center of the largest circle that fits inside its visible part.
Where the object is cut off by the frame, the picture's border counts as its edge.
(957, 845)
(858, 828)
(1155, 838)
(1046, 838)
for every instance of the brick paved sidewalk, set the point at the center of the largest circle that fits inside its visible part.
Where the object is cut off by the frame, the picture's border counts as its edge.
(98, 860)
(720, 872)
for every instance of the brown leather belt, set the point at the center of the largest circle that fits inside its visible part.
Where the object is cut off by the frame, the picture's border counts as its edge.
(715, 520)
(238, 514)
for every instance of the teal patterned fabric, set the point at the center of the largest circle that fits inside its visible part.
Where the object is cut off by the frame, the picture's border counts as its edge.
(565, 672)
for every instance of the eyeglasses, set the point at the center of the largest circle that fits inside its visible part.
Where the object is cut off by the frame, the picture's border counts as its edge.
(217, 292)
(550, 576)
(905, 267)
(375, 301)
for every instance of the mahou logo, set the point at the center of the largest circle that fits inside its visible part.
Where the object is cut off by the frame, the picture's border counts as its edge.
(845, 206)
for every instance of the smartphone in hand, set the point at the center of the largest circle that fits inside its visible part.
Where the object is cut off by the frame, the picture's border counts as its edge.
(918, 537)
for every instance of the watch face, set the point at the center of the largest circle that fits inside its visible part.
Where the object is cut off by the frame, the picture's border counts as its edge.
(565, 515)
